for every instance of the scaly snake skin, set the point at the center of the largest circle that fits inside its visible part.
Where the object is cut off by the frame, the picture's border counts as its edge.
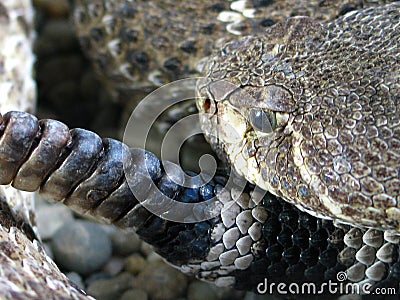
(134, 45)
(253, 238)
(311, 113)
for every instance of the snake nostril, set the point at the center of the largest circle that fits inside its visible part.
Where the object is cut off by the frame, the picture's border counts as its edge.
(207, 105)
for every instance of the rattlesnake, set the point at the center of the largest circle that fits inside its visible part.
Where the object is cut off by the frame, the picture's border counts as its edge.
(254, 237)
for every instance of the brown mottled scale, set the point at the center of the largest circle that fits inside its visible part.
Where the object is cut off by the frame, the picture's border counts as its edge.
(331, 92)
(144, 44)
(147, 43)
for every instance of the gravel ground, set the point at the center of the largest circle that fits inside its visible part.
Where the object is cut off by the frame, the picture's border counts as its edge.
(107, 263)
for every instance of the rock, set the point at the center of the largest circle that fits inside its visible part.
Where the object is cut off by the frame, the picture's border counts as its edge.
(50, 217)
(76, 279)
(135, 264)
(201, 290)
(81, 246)
(47, 249)
(154, 257)
(124, 243)
(146, 249)
(96, 276)
(114, 266)
(110, 289)
(162, 282)
(134, 294)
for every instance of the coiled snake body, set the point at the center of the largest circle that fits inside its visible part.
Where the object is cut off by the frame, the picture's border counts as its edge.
(256, 236)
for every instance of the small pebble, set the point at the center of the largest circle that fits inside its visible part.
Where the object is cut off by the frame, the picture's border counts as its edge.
(135, 264)
(162, 282)
(50, 217)
(114, 266)
(124, 243)
(201, 290)
(154, 257)
(81, 246)
(96, 276)
(47, 249)
(134, 294)
(76, 278)
(146, 249)
(110, 289)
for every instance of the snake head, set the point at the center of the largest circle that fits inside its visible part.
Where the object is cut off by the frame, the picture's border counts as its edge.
(246, 102)
(237, 121)
(298, 111)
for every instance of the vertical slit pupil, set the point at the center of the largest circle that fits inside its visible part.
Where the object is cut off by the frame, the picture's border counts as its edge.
(260, 121)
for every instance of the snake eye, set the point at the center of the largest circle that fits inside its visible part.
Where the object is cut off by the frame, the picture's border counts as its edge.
(263, 121)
